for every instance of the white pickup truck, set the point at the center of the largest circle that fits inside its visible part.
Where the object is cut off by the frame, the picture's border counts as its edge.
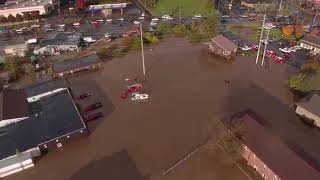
(32, 41)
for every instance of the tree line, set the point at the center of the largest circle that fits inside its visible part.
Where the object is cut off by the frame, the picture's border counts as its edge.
(20, 17)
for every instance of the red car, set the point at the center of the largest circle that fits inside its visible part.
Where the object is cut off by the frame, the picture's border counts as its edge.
(286, 56)
(83, 96)
(255, 47)
(94, 116)
(279, 60)
(130, 32)
(130, 89)
(92, 107)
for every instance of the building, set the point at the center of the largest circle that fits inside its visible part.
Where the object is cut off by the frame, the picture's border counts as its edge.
(16, 50)
(309, 109)
(34, 120)
(311, 42)
(15, 7)
(70, 67)
(222, 46)
(271, 157)
(61, 43)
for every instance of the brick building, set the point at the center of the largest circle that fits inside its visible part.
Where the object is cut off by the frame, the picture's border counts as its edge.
(222, 46)
(269, 155)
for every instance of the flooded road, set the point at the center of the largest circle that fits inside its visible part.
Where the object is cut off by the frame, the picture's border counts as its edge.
(188, 89)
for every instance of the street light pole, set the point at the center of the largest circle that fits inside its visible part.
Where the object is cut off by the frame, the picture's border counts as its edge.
(315, 16)
(265, 47)
(280, 6)
(142, 52)
(258, 53)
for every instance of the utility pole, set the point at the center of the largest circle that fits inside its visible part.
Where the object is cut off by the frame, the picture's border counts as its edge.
(258, 53)
(315, 16)
(265, 47)
(142, 52)
(219, 5)
(280, 5)
(179, 13)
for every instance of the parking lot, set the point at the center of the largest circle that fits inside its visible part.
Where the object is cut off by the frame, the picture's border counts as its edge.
(187, 92)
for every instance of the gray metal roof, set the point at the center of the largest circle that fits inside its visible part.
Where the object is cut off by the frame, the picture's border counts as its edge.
(312, 105)
(76, 63)
(62, 39)
(50, 118)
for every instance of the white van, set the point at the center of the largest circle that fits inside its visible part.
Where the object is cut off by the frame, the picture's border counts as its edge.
(32, 41)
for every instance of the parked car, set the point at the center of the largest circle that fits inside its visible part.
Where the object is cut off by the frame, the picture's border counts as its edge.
(246, 48)
(286, 50)
(120, 19)
(136, 22)
(35, 26)
(89, 39)
(108, 20)
(94, 116)
(130, 32)
(100, 20)
(107, 35)
(32, 41)
(197, 16)
(279, 60)
(155, 19)
(255, 47)
(93, 107)
(130, 89)
(83, 96)
(152, 23)
(141, 18)
(76, 24)
(138, 96)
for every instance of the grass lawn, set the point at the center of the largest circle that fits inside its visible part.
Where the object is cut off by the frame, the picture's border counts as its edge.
(250, 30)
(189, 7)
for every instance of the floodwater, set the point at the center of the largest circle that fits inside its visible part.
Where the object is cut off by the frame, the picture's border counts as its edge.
(188, 89)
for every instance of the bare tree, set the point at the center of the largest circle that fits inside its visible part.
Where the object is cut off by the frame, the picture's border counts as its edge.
(226, 134)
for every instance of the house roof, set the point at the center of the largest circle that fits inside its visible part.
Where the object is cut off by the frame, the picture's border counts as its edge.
(49, 118)
(311, 104)
(277, 155)
(311, 39)
(13, 104)
(76, 63)
(62, 39)
(224, 43)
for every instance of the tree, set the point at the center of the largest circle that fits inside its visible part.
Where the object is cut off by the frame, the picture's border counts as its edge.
(225, 134)
(296, 82)
(27, 16)
(35, 15)
(287, 30)
(19, 17)
(80, 4)
(180, 30)
(152, 39)
(30, 71)
(11, 66)
(50, 71)
(210, 24)
(3, 19)
(11, 18)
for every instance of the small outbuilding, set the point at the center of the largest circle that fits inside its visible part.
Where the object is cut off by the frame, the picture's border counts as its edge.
(311, 42)
(222, 46)
(309, 109)
(69, 67)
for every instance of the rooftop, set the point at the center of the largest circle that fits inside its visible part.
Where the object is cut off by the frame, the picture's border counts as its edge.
(311, 104)
(17, 46)
(224, 42)
(313, 39)
(14, 4)
(50, 117)
(76, 63)
(274, 152)
(62, 39)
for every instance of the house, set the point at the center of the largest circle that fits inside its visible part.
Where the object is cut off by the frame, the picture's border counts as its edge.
(222, 46)
(309, 109)
(311, 42)
(254, 3)
(61, 43)
(69, 67)
(16, 50)
(269, 155)
(34, 120)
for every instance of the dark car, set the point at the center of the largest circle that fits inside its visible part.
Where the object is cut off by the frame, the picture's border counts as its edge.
(94, 116)
(93, 107)
(83, 96)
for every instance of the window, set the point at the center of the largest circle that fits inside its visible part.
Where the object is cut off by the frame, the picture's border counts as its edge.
(254, 156)
(264, 176)
(255, 167)
(59, 145)
(264, 166)
(245, 147)
(219, 50)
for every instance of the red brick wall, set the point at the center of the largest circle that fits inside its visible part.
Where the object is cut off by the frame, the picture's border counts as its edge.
(258, 164)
